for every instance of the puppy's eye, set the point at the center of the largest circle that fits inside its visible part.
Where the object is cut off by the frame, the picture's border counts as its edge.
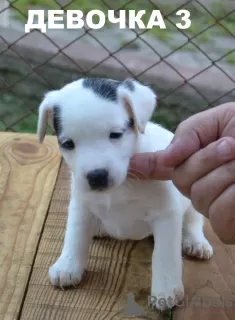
(68, 145)
(115, 135)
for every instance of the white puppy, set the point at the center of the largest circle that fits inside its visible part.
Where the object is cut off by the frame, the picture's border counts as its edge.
(100, 124)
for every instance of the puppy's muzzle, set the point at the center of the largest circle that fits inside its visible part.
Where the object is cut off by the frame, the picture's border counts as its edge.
(98, 179)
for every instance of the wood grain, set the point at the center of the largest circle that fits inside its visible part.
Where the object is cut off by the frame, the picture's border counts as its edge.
(117, 268)
(210, 286)
(28, 173)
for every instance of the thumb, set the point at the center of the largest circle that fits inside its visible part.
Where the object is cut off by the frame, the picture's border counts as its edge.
(149, 165)
(159, 165)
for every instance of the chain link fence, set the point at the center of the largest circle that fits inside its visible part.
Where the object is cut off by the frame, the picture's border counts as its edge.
(191, 69)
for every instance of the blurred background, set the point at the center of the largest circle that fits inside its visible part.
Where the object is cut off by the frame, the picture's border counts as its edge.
(191, 70)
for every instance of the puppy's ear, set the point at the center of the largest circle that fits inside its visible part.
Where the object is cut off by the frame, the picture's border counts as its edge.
(45, 113)
(140, 101)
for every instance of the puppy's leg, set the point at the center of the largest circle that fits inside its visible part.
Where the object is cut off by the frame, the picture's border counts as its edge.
(70, 266)
(194, 242)
(167, 285)
(99, 230)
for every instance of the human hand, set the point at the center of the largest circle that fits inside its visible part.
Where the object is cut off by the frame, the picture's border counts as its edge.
(201, 163)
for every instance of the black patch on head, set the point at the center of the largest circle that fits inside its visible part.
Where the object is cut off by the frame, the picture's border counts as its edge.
(130, 123)
(106, 88)
(128, 83)
(57, 120)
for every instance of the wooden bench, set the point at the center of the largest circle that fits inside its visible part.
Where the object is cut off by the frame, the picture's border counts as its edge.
(34, 194)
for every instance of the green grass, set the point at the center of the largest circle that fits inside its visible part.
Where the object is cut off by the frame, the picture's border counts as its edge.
(129, 44)
(15, 114)
(230, 58)
(170, 315)
(2, 126)
(189, 47)
(162, 120)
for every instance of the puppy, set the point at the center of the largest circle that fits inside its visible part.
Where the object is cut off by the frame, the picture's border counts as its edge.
(100, 124)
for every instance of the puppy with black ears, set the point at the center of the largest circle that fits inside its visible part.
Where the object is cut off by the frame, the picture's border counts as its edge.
(100, 124)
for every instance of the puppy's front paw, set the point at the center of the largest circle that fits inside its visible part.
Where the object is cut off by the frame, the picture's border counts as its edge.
(166, 295)
(66, 272)
(198, 247)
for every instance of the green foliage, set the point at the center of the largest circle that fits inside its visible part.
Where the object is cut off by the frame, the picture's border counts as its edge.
(2, 126)
(29, 124)
(228, 26)
(129, 44)
(162, 120)
(170, 315)
(189, 47)
(15, 113)
(21, 7)
(230, 58)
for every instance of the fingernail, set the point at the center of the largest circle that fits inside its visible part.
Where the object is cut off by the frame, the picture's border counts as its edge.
(140, 162)
(224, 148)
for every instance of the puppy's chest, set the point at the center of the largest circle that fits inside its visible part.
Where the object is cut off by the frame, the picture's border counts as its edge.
(123, 215)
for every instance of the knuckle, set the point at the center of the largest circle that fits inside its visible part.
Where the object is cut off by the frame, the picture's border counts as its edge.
(223, 227)
(228, 170)
(227, 139)
(196, 192)
(198, 198)
(180, 181)
(204, 157)
(182, 126)
(176, 179)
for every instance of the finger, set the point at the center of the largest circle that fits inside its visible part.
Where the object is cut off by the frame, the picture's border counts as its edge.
(199, 131)
(205, 190)
(203, 162)
(222, 215)
(148, 166)
(192, 135)
(181, 148)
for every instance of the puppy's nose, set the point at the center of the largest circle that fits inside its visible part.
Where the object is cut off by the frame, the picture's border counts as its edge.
(98, 179)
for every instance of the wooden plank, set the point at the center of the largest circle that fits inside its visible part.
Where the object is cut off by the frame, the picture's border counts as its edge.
(209, 286)
(28, 173)
(115, 269)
